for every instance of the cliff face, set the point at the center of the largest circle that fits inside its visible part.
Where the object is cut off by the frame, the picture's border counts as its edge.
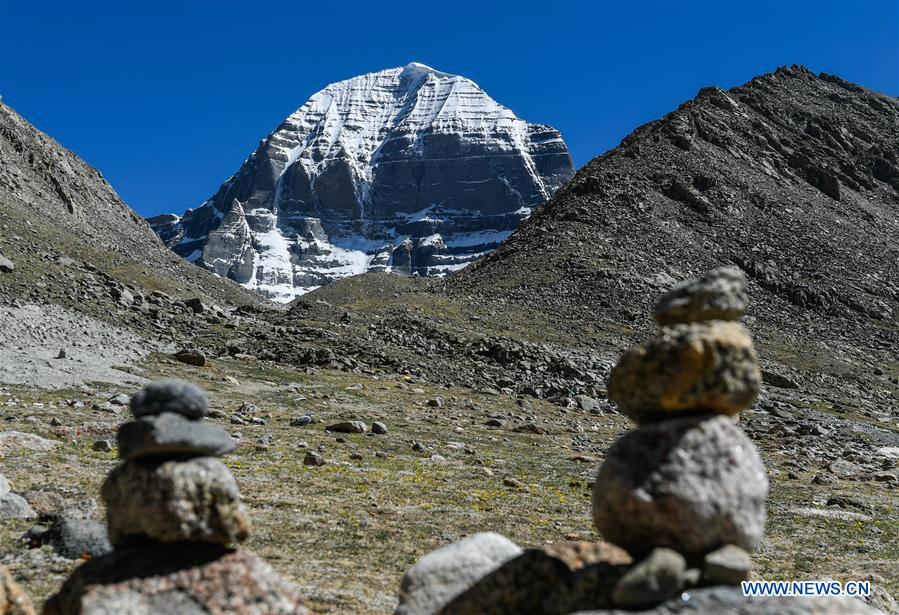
(408, 169)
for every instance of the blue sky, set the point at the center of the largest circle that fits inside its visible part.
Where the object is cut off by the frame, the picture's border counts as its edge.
(168, 98)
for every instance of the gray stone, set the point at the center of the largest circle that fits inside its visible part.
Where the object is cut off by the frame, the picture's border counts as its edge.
(651, 581)
(6, 265)
(170, 434)
(191, 356)
(175, 579)
(313, 459)
(170, 395)
(103, 446)
(585, 402)
(441, 575)
(73, 537)
(692, 484)
(18, 440)
(728, 565)
(14, 506)
(119, 400)
(194, 500)
(348, 427)
(301, 421)
(378, 428)
(718, 295)
(5, 487)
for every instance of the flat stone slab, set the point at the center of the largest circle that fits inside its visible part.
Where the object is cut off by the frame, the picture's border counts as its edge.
(169, 434)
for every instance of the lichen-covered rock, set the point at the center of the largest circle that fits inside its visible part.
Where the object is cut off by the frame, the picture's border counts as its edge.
(13, 599)
(692, 484)
(194, 500)
(176, 579)
(441, 575)
(718, 295)
(170, 395)
(707, 367)
(169, 434)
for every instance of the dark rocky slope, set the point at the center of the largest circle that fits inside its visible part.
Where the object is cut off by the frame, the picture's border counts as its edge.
(792, 177)
(60, 220)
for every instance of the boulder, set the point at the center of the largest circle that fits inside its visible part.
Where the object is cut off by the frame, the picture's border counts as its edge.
(14, 506)
(443, 574)
(191, 356)
(74, 538)
(195, 500)
(6, 265)
(170, 395)
(176, 579)
(692, 484)
(169, 434)
(705, 367)
(718, 295)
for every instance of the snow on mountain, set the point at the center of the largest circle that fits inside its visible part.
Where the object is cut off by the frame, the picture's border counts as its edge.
(409, 169)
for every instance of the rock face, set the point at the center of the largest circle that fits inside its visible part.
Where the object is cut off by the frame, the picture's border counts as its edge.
(690, 484)
(408, 169)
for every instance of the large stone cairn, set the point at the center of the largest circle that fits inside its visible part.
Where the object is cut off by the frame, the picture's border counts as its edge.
(173, 510)
(687, 486)
(687, 478)
(680, 499)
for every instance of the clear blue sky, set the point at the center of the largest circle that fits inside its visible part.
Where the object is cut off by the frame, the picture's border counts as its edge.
(168, 98)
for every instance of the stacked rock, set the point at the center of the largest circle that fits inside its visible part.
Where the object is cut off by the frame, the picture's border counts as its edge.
(687, 482)
(172, 510)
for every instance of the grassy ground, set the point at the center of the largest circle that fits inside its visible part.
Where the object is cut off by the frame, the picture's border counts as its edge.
(346, 531)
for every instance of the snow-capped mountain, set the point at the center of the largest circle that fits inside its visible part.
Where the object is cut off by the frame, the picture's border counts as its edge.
(409, 169)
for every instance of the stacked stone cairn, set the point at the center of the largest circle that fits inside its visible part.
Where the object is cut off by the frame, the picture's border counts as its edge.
(680, 500)
(687, 487)
(173, 512)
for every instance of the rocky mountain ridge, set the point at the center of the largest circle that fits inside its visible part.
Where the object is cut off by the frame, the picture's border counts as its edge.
(410, 170)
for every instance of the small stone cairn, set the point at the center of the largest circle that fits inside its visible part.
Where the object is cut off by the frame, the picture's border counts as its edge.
(680, 500)
(173, 510)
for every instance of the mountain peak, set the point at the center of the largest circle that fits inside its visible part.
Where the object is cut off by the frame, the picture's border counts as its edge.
(387, 171)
